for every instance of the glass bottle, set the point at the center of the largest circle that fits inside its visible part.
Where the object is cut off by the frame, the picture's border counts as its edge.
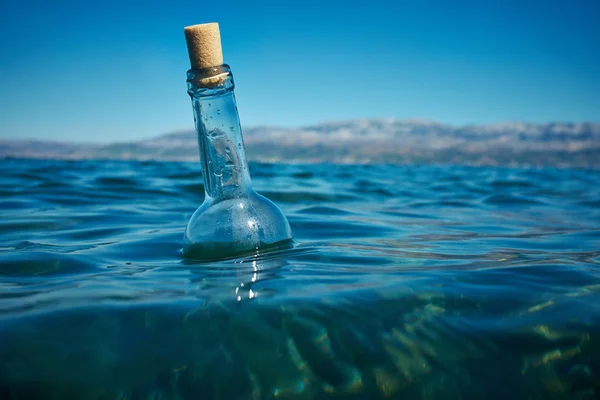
(233, 220)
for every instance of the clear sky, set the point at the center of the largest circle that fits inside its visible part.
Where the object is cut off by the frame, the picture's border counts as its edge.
(115, 70)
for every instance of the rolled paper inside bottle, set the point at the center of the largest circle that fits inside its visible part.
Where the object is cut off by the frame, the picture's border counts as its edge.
(212, 81)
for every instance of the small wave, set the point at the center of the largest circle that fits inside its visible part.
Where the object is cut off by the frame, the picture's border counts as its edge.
(505, 199)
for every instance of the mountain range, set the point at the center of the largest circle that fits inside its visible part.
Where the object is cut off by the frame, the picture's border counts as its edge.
(360, 141)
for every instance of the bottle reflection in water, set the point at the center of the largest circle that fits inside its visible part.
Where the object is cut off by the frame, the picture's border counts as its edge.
(234, 219)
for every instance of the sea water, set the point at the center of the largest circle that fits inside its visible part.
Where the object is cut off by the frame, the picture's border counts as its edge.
(402, 282)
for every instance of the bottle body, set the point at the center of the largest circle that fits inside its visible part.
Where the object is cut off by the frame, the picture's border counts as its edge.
(233, 218)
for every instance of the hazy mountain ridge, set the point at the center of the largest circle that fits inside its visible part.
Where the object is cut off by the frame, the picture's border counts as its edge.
(361, 141)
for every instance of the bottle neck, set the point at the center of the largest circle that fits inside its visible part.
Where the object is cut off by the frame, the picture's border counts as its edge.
(222, 153)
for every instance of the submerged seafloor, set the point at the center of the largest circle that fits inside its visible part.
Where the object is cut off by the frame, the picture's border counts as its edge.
(404, 282)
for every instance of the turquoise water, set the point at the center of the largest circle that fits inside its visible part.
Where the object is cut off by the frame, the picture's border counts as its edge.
(404, 282)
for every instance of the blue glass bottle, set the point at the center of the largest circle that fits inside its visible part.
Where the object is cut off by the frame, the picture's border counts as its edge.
(233, 220)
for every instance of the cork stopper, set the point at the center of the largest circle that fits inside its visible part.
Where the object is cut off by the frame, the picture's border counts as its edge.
(204, 45)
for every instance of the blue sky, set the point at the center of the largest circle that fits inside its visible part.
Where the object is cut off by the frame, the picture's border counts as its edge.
(115, 70)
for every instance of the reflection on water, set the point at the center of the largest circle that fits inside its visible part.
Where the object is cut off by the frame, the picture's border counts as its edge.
(404, 282)
(234, 279)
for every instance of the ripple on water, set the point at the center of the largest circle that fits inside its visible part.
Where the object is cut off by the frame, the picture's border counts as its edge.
(508, 200)
(396, 273)
(322, 210)
(306, 197)
(35, 262)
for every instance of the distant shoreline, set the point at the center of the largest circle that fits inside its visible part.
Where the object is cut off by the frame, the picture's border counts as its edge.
(377, 141)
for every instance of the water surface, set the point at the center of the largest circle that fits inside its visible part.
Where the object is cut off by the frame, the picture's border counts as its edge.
(404, 282)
